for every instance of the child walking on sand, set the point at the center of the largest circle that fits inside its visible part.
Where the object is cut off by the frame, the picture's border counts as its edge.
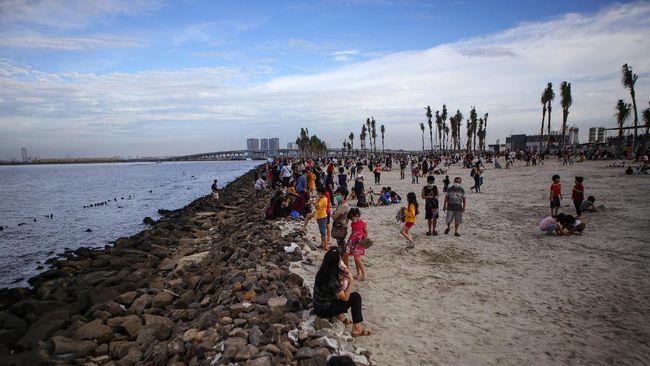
(354, 246)
(411, 211)
(555, 195)
(321, 217)
(578, 195)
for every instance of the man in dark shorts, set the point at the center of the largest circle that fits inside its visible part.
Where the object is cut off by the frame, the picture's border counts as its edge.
(430, 196)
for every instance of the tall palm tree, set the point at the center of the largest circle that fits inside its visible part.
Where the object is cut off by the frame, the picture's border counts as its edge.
(368, 132)
(485, 118)
(622, 115)
(481, 135)
(628, 79)
(350, 147)
(430, 122)
(645, 114)
(422, 128)
(565, 101)
(439, 129)
(454, 136)
(362, 137)
(443, 116)
(549, 99)
(382, 129)
(373, 134)
(544, 100)
(351, 137)
(469, 135)
(459, 122)
(473, 119)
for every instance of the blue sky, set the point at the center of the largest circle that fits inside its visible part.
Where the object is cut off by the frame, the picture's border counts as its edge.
(147, 77)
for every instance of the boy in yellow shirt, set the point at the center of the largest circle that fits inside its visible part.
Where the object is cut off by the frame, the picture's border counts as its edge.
(321, 217)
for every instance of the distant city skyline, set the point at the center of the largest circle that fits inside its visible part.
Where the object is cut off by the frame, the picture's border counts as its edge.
(159, 78)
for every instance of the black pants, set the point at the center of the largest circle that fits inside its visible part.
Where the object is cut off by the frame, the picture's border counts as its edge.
(577, 204)
(341, 307)
(285, 181)
(377, 178)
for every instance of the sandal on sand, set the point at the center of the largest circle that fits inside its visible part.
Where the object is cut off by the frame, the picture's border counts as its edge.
(344, 320)
(447, 231)
(435, 233)
(456, 234)
(428, 233)
(365, 332)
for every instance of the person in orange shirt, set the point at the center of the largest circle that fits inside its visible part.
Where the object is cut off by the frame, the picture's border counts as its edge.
(311, 181)
(411, 212)
(322, 217)
(555, 195)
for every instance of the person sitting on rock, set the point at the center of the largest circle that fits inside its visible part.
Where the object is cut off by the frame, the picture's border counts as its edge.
(330, 299)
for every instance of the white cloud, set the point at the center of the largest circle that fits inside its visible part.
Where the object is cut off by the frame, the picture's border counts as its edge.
(66, 43)
(193, 110)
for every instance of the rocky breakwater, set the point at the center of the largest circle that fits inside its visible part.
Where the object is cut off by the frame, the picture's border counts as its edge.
(205, 285)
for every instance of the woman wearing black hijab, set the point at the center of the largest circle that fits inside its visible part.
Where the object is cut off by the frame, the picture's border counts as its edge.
(330, 296)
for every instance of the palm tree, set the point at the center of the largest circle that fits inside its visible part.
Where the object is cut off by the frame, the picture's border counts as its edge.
(544, 100)
(549, 98)
(362, 137)
(473, 120)
(382, 129)
(345, 146)
(368, 130)
(646, 118)
(628, 79)
(443, 115)
(485, 117)
(622, 115)
(469, 135)
(481, 135)
(373, 134)
(565, 101)
(439, 128)
(351, 137)
(459, 122)
(454, 136)
(422, 128)
(429, 116)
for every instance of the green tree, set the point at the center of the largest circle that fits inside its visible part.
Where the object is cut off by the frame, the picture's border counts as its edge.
(566, 100)
(368, 133)
(351, 137)
(469, 134)
(645, 114)
(544, 100)
(549, 99)
(445, 129)
(473, 118)
(628, 79)
(374, 133)
(430, 122)
(382, 129)
(458, 122)
(622, 114)
(481, 135)
(362, 136)
(439, 128)
(422, 128)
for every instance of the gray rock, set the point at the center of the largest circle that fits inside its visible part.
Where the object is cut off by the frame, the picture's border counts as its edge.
(40, 331)
(62, 345)
(94, 330)
(126, 298)
(139, 304)
(260, 361)
(162, 299)
(305, 352)
(120, 349)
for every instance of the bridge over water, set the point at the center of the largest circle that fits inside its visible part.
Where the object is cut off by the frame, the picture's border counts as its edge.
(237, 155)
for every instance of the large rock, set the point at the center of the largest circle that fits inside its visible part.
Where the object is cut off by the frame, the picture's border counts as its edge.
(96, 330)
(40, 331)
(61, 345)
(162, 299)
(191, 260)
(120, 349)
(126, 298)
(129, 325)
(139, 304)
(27, 306)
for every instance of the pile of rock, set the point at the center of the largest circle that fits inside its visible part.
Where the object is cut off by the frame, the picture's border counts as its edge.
(205, 285)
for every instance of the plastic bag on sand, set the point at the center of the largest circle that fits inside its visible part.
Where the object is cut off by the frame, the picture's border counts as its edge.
(291, 248)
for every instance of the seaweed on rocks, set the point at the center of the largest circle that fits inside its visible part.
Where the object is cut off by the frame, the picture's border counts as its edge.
(207, 284)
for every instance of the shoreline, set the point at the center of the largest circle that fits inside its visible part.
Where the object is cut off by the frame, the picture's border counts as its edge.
(205, 284)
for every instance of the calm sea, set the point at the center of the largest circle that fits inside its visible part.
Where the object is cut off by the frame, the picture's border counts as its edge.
(30, 194)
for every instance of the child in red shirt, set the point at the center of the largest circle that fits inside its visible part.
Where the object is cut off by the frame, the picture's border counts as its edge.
(555, 195)
(578, 195)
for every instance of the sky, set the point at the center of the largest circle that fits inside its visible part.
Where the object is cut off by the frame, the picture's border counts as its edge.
(159, 78)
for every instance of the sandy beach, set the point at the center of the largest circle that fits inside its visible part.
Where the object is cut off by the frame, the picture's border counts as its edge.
(503, 292)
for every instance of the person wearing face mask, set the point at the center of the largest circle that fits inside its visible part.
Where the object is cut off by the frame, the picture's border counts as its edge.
(454, 205)
(340, 217)
(430, 196)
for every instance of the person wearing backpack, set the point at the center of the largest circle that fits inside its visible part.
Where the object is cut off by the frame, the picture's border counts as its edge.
(411, 211)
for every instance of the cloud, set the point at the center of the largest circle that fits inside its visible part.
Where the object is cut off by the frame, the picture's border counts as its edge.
(66, 43)
(70, 13)
(206, 109)
(296, 43)
(346, 55)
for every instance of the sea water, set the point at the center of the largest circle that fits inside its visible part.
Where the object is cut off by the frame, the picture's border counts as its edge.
(29, 194)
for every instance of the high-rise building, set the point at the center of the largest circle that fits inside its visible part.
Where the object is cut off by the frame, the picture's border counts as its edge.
(593, 134)
(274, 143)
(601, 135)
(573, 136)
(252, 144)
(290, 145)
(264, 144)
(23, 151)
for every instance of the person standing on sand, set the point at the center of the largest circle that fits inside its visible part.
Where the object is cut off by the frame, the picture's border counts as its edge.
(286, 173)
(215, 190)
(430, 196)
(340, 217)
(454, 205)
(578, 195)
(322, 217)
(411, 211)
(555, 195)
(331, 299)
(354, 248)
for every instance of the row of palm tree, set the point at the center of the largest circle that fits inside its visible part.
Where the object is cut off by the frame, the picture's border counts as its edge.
(310, 146)
(449, 135)
(566, 101)
(369, 129)
(624, 111)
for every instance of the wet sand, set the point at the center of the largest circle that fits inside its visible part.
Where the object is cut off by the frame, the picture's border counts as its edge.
(503, 292)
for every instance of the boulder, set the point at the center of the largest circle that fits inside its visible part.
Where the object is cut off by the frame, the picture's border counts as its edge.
(162, 299)
(139, 304)
(40, 331)
(148, 221)
(191, 260)
(61, 345)
(260, 361)
(94, 330)
(26, 306)
(126, 298)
